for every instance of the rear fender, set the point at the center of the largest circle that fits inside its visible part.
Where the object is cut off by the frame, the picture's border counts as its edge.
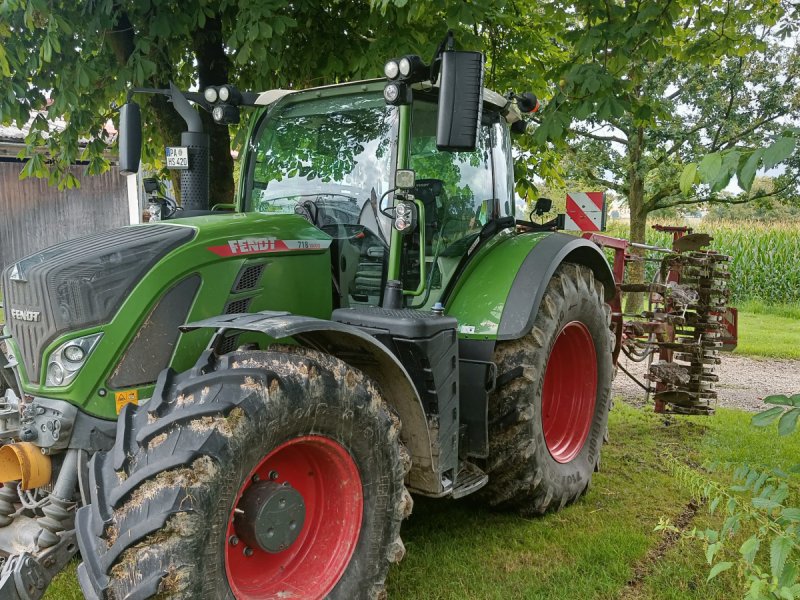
(361, 351)
(535, 272)
(499, 296)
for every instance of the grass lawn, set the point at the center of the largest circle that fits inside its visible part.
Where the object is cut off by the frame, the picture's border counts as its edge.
(769, 331)
(602, 547)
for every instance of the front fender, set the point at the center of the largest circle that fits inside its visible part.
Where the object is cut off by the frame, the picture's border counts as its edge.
(363, 352)
(499, 293)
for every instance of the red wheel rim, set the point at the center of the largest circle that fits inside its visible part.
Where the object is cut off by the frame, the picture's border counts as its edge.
(326, 476)
(570, 392)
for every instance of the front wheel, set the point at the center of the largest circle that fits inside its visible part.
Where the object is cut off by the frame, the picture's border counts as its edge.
(278, 475)
(548, 419)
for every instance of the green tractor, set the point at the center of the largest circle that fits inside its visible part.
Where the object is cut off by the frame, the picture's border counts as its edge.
(239, 401)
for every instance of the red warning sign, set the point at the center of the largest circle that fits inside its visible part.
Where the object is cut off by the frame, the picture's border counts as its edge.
(586, 211)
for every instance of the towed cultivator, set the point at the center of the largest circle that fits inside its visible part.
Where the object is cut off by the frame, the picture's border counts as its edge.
(686, 321)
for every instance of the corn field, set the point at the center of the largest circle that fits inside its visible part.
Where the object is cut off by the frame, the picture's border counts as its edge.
(765, 256)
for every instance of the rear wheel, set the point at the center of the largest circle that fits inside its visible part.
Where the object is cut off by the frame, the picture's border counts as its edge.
(548, 419)
(279, 474)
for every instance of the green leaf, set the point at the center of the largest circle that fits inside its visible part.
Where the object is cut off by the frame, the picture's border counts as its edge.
(710, 167)
(244, 53)
(749, 549)
(748, 172)
(791, 514)
(47, 50)
(711, 550)
(729, 161)
(714, 503)
(778, 553)
(788, 421)
(767, 417)
(789, 576)
(778, 151)
(781, 399)
(688, 177)
(719, 568)
(765, 503)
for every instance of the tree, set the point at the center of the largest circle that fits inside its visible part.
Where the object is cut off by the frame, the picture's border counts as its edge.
(81, 57)
(650, 87)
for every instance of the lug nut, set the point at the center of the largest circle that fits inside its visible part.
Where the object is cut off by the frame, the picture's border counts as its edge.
(248, 551)
(256, 478)
(233, 540)
(273, 475)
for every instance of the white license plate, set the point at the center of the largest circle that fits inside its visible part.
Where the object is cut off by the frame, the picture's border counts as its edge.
(177, 157)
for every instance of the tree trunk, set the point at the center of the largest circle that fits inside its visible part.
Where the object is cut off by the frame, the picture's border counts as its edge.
(212, 69)
(638, 223)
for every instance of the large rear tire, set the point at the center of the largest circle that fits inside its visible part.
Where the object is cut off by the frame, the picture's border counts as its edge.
(174, 500)
(548, 418)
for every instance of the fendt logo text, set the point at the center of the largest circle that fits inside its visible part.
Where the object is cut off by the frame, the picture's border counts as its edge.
(25, 315)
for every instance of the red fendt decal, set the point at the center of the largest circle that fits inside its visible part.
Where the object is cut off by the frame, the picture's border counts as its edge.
(266, 245)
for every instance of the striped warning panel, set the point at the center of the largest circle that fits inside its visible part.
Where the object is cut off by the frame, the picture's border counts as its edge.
(586, 211)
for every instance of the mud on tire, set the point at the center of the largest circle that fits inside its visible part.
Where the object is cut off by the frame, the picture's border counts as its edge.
(523, 473)
(163, 497)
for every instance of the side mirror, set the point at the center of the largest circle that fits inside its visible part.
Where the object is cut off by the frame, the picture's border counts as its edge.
(130, 138)
(460, 101)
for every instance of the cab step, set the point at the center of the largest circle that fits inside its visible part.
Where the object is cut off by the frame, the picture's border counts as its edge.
(470, 479)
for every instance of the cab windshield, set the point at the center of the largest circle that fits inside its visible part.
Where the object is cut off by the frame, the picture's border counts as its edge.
(324, 158)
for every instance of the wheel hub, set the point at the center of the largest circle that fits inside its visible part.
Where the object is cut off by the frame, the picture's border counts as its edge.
(270, 516)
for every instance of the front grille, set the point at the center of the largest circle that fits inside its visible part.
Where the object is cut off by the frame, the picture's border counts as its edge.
(80, 283)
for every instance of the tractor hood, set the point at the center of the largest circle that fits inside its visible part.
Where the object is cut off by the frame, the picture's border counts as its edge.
(79, 283)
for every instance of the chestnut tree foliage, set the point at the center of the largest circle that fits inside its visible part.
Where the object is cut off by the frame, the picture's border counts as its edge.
(666, 101)
(81, 57)
(663, 101)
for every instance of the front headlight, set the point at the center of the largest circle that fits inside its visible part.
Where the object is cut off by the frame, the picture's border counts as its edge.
(68, 359)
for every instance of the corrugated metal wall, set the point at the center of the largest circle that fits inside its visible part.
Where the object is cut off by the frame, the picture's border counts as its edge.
(34, 215)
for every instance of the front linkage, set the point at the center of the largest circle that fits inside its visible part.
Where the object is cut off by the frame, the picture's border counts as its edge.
(37, 514)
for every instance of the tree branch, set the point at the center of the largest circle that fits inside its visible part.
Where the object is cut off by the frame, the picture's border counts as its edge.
(599, 138)
(724, 120)
(731, 141)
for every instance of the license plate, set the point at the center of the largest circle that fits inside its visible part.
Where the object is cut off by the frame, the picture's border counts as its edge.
(177, 157)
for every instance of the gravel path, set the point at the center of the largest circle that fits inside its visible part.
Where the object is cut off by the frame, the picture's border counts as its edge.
(743, 381)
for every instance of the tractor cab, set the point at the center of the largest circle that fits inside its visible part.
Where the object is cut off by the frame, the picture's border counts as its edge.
(331, 155)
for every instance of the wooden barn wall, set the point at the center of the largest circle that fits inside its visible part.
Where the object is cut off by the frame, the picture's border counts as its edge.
(34, 215)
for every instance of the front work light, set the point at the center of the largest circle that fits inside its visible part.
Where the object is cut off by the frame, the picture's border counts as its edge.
(396, 93)
(210, 94)
(225, 113)
(391, 69)
(413, 69)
